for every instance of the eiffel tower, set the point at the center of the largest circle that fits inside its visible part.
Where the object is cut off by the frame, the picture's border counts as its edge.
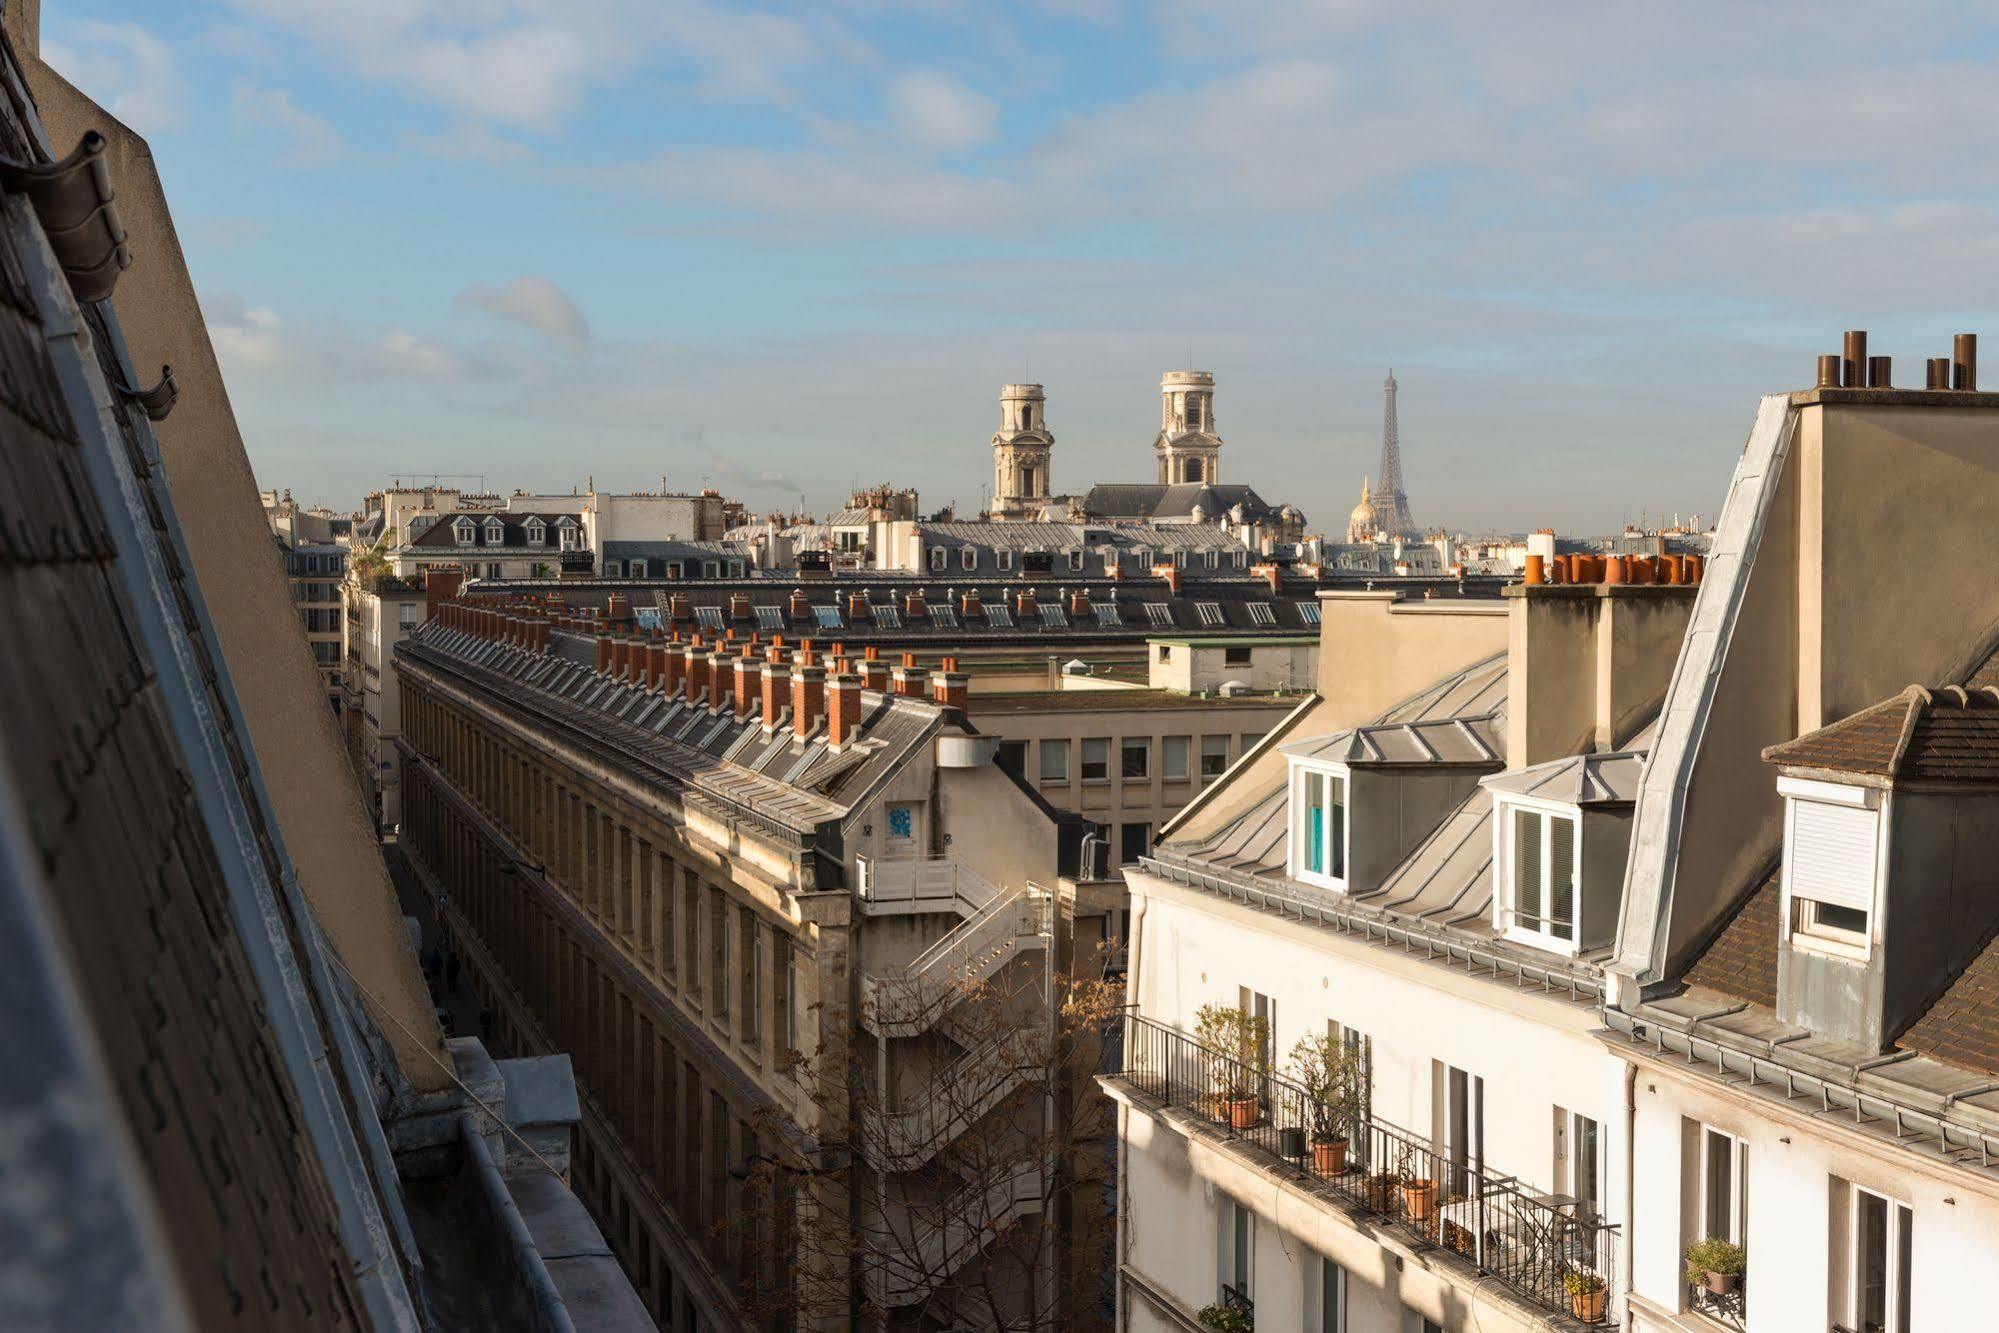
(1391, 503)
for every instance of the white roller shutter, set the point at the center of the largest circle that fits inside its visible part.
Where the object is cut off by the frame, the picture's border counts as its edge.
(1831, 856)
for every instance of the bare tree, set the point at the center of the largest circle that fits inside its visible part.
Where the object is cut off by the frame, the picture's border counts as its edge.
(974, 1186)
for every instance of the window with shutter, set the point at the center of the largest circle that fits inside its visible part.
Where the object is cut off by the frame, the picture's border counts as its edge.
(1829, 871)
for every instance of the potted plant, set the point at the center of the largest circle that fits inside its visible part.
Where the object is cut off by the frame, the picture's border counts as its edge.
(1419, 1194)
(1589, 1294)
(1718, 1263)
(1225, 1319)
(1378, 1192)
(1322, 1066)
(1239, 1044)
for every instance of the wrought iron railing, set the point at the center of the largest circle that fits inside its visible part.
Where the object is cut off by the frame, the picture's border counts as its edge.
(1543, 1247)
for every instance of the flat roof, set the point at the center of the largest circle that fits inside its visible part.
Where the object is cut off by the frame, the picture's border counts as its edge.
(1120, 701)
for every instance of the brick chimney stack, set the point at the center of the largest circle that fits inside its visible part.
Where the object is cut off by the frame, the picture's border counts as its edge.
(776, 689)
(808, 698)
(909, 677)
(913, 608)
(746, 670)
(843, 710)
(696, 683)
(440, 584)
(951, 687)
(721, 678)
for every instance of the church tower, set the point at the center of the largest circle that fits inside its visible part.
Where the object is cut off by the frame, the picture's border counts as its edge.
(1021, 447)
(1188, 448)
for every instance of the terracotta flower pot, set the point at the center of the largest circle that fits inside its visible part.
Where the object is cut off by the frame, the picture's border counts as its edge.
(1244, 1112)
(1330, 1158)
(1723, 1284)
(1217, 1107)
(1588, 1306)
(1379, 1193)
(1419, 1199)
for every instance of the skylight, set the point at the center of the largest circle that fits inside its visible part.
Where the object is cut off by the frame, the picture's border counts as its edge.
(1210, 614)
(998, 617)
(1260, 613)
(1052, 616)
(1161, 614)
(708, 617)
(770, 617)
(1107, 613)
(886, 616)
(828, 617)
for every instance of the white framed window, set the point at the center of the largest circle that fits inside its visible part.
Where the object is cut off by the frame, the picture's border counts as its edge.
(1004, 558)
(939, 559)
(968, 557)
(1236, 1252)
(1212, 559)
(636, 569)
(1319, 825)
(614, 569)
(1242, 559)
(1097, 759)
(1880, 1253)
(567, 536)
(1308, 612)
(537, 532)
(496, 532)
(1721, 1204)
(1214, 756)
(1832, 848)
(1076, 559)
(1106, 613)
(465, 532)
(1538, 848)
(1173, 753)
(1054, 760)
(1579, 1161)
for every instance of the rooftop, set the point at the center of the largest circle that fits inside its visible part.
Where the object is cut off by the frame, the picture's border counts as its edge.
(1920, 735)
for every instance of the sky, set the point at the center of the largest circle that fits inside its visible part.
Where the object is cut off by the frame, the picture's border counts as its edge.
(784, 250)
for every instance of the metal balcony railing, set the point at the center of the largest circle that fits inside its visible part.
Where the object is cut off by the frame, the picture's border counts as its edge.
(1541, 1247)
(894, 885)
(909, 999)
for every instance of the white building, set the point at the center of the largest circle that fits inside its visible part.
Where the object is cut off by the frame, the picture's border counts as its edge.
(1613, 983)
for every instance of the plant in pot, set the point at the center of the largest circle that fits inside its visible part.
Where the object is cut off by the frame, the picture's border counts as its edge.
(1323, 1067)
(1240, 1043)
(1419, 1193)
(1225, 1319)
(1717, 1263)
(1589, 1295)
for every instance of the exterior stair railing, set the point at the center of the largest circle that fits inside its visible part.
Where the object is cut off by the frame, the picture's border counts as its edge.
(924, 1254)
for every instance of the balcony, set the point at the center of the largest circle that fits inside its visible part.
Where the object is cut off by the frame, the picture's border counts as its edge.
(1499, 1229)
(901, 886)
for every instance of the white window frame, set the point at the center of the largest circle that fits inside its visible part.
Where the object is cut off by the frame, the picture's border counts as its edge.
(1504, 909)
(496, 532)
(1228, 1271)
(567, 536)
(1167, 768)
(1900, 1219)
(1075, 560)
(1798, 917)
(635, 569)
(1338, 843)
(537, 532)
(1060, 746)
(968, 557)
(1738, 1168)
(1004, 558)
(464, 532)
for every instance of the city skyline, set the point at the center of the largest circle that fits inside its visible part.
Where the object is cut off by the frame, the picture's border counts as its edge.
(791, 249)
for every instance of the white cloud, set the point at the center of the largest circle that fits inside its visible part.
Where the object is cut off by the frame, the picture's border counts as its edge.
(832, 187)
(936, 111)
(123, 62)
(310, 140)
(254, 343)
(531, 302)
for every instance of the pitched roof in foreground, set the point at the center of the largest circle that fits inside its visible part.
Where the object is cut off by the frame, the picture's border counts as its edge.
(1949, 734)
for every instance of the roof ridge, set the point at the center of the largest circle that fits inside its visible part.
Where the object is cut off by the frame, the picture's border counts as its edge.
(1918, 701)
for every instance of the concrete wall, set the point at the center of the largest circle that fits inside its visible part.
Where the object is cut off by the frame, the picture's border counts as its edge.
(1588, 665)
(296, 737)
(1375, 651)
(1192, 668)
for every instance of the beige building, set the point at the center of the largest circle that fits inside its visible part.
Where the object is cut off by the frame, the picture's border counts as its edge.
(316, 573)
(381, 612)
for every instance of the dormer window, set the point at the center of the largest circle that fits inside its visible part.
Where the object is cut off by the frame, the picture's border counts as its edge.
(968, 557)
(465, 532)
(1540, 847)
(496, 532)
(1005, 559)
(938, 559)
(1832, 837)
(1319, 825)
(537, 532)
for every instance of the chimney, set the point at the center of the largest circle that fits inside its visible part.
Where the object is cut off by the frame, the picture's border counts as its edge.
(696, 683)
(541, 637)
(874, 674)
(1025, 607)
(677, 609)
(909, 677)
(951, 687)
(843, 710)
(969, 605)
(801, 608)
(857, 608)
(913, 608)
(1853, 364)
(739, 606)
(745, 684)
(655, 664)
(620, 609)
(721, 678)
(603, 654)
(808, 699)
(1273, 576)
(440, 584)
(676, 668)
(776, 688)
(1936, 373)
(1079, 604)
(1964, 361)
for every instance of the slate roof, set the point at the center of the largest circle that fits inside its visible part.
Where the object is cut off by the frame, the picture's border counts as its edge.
(1578, 780)
(1476, 740)
(513, 530)
(1742, 961)
(1156, 501)
(1962, 1027)
(1920, 735)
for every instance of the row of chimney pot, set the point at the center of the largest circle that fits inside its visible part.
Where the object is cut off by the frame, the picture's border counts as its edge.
(1592, 569)
(1852, 368)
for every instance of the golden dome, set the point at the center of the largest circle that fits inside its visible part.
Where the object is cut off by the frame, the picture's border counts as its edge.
(1363, 518)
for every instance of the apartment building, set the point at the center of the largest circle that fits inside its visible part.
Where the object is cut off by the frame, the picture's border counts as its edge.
(744, 885)
(382, 610)
(316, 572)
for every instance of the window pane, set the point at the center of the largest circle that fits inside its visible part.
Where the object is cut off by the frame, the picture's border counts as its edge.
(1905, 1225)
(1720, 1185)
(1527, 868)
(1055, 761)
(1135, 758)
(1096, 760)
(1214, 756)
(1336, 825)
(1561, 878)
(1314, 823)
(1174, 757)
(1871, 1262)
(1330, 1305)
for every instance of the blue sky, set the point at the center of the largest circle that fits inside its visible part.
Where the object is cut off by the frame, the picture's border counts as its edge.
(785, 249)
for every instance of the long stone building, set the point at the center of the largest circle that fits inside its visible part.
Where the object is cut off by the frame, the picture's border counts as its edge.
(733, 883)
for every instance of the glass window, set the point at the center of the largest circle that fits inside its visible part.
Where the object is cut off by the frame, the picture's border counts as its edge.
(938, 558)
(828, 617)
(885, 616)
(769, 617)
(943, 617)
(1235, 657)
(1260, 613)
(1173, 757)
(1135, 758)
(1210, 614)
(1722, 1170)
(406, 616)
(1214, 756)
(1097, 759)
(1161, 614)
(1308, 612)
(1331, 1314)
(1319, 814)
(1004, 558)
(999, 617)
(1053, 616)
(1541, 876)
(968, 557)
(1134, 841)
(1106, 613)
(709, 618)
(1883, 1233)
(1055, 761)
(1013, 756)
